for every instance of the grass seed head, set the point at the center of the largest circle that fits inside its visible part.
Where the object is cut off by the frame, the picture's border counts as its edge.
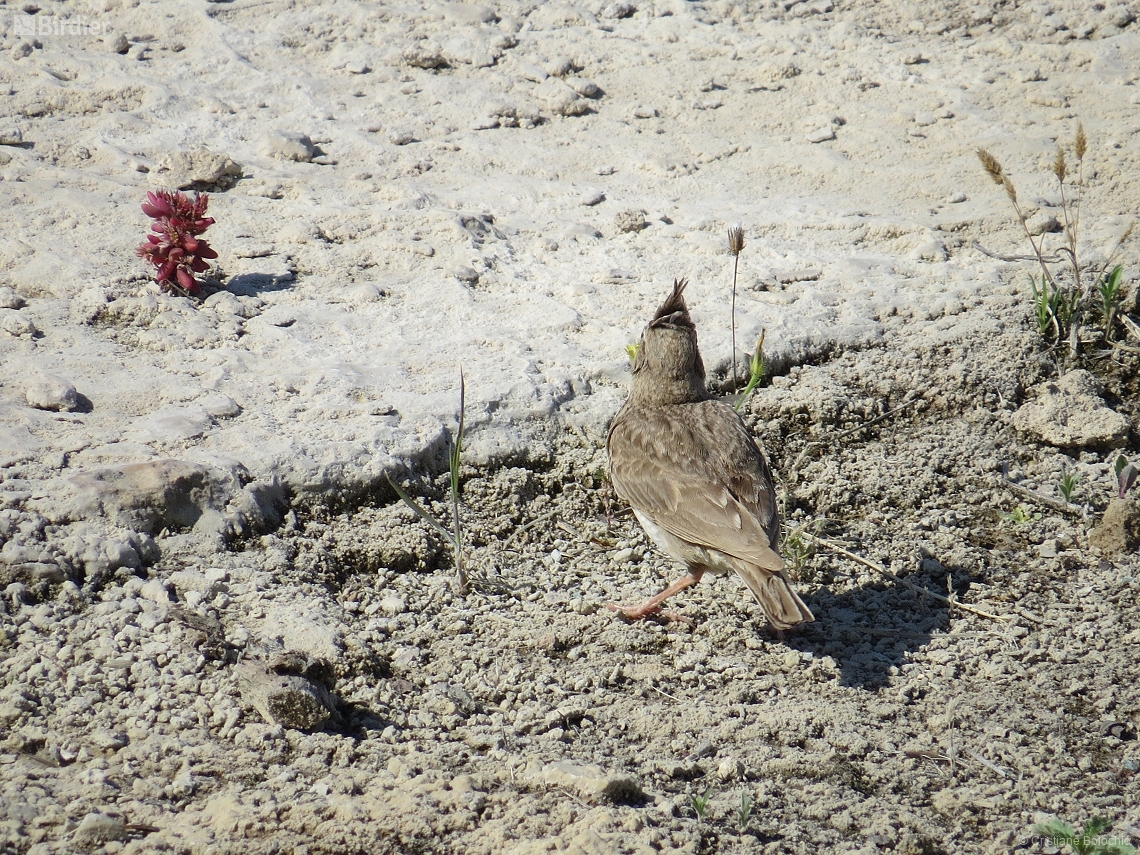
(1081, 145)
(1059, 167)
(735, 239)
(991, 165)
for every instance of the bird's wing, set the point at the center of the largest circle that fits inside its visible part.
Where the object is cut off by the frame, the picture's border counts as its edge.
(694, 469)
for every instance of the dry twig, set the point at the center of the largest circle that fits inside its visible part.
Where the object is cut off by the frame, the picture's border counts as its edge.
(918, 589)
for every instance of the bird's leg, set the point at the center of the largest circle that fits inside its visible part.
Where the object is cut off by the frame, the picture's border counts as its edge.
(652, 606)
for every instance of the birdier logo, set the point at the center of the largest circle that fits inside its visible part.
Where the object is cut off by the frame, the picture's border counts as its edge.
(52, 25)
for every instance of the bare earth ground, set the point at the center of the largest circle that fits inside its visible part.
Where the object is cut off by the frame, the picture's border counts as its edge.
(215, 498)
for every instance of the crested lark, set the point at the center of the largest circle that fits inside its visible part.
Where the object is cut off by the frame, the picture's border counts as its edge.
(698, 483)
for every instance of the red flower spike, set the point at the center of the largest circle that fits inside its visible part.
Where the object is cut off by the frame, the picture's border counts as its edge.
(173, 246)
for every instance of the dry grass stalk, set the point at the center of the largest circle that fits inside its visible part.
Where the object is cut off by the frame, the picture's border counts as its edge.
(918, 589)
(735, 246)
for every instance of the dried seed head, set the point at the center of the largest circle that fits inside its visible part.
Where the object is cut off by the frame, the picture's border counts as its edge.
(991, 165)
(735, 239)
(1059, 168)
(1010, 191)
(1082, 144)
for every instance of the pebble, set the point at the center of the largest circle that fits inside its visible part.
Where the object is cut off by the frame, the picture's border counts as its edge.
(630, 221)
(48, 392)
(11, 136)
(592, 197)
(589, 781)
(97, 828)
(9, 299)
(464, 273)
(289, 145)
(824, 134)
(17, 324)
(401, 136)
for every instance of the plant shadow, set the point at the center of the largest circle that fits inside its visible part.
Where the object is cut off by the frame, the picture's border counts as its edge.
(254, 284)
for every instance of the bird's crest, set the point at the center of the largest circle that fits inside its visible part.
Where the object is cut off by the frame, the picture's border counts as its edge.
(673, 312)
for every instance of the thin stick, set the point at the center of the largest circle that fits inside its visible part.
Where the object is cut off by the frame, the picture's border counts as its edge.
(456, 451)
(878, 568)
(1052, 259)
(1048, 501)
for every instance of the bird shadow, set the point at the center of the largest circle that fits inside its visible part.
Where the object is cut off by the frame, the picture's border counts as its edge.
(871, 631)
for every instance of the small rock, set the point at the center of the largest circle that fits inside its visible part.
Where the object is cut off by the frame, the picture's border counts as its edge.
(584, 87)
(290, 700)
(11, 136)
(188, 169)
(618, 11)
(824, 134)
(644, 112)
(729, 769)
(401, 136)
(423, 55)
(464, 274)
(1119, 529)
(1070, 413)
(16, 324)
(47, 392)
(924, 119)
(393, 605)
(117, 43)
(22, 50)
(1042, 223)
(589, 781)
(9, 299)
(97, 828)
(582, 606)
(288, 145)
(630, 221)
(592, 197)
(560, 98)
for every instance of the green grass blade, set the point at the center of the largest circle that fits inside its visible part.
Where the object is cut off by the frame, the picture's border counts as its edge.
(420, 512)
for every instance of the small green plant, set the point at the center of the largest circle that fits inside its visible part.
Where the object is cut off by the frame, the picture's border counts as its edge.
(1125, 476)
(1108, 288)
(744, 811)
(455, 536)
(700, 805)
(631, 352)
(1067, 484)
(1063, 300)
(1089, 840)
(756, 373)
(735, 246)
(799, 549)
(1020, 515)
(1053, 309)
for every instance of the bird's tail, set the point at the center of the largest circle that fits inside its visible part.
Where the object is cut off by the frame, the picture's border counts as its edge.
(781, 604)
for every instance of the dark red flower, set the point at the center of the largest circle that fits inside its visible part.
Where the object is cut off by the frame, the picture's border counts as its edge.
(174, 248)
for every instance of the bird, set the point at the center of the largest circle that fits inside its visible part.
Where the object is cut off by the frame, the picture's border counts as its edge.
(693, 474)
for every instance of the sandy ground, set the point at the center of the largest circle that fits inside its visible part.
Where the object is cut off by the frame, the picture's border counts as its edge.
(193, 501)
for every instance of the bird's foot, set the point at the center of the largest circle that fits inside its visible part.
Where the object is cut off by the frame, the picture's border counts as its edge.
(648, 610)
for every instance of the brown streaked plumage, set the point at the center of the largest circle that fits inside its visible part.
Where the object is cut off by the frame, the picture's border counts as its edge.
(693, 474)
